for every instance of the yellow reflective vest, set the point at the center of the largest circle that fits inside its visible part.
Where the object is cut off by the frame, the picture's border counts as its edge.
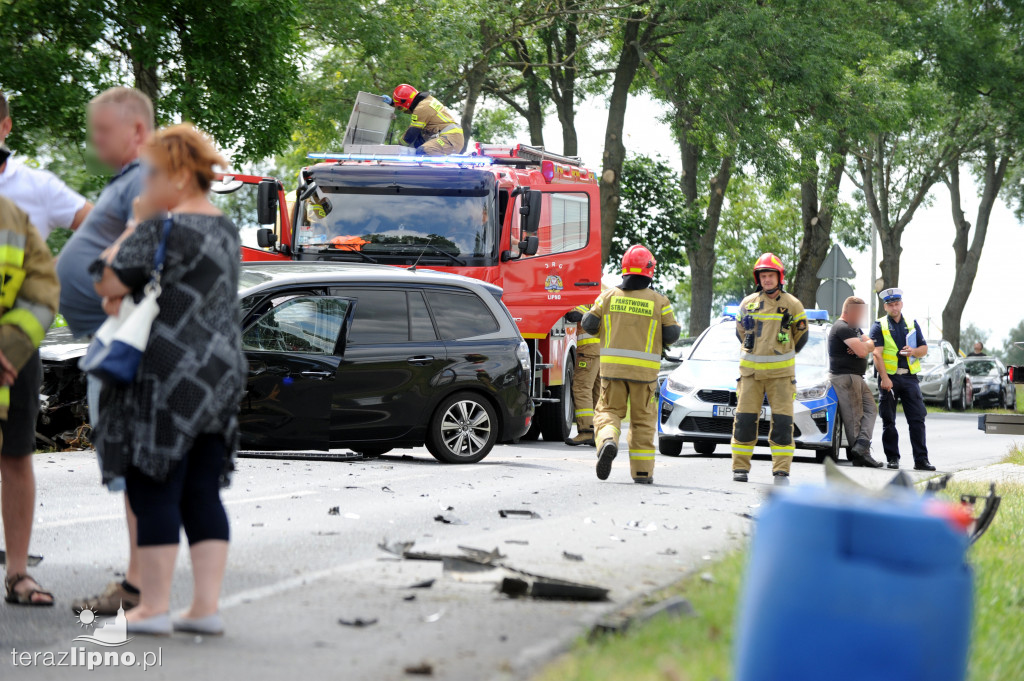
(29, 290)
(770, 357)
(891, 353)
(630, 332)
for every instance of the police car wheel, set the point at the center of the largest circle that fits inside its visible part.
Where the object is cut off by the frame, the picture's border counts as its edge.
(670, 447)
(834, 450)
(705, 448)
(949, 397)
(463, 429)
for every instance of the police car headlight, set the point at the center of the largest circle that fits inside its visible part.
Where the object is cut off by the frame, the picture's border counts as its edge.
(679, 388)
(523, 355)
(814, 392)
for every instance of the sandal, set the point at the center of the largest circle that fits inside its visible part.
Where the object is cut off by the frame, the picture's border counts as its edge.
(25, 598)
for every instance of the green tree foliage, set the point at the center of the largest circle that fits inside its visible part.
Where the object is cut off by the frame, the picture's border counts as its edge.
(971, 334)
(228, 67)
(1010, 353)
(652, 214)
(754, 222)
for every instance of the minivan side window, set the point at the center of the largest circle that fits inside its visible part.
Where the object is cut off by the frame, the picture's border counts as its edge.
(308, 325)
(461, 315)
(421, 328)
(381, 316)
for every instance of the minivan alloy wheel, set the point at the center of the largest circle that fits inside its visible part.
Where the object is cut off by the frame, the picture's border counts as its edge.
(465, 428)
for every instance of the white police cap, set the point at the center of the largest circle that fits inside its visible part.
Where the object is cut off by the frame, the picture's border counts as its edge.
(891, 294)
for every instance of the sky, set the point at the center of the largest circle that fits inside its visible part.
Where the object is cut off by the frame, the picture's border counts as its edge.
(927, 263)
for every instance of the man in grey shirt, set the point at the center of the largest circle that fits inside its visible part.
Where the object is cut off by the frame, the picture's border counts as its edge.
(120, 121)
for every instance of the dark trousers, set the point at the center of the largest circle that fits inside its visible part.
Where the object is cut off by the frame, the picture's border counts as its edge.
(189, 498)
(906, 389)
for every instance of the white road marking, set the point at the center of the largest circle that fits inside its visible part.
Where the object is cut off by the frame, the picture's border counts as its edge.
(117, 516)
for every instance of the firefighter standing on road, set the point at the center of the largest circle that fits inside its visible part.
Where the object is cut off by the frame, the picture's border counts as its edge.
(434, 130)
(634, 322)
(586, 382)
(772, 327)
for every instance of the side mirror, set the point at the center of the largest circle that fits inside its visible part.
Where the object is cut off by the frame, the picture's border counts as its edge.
(266, 202)
(266, 238)
(529, 209)
(529, 246)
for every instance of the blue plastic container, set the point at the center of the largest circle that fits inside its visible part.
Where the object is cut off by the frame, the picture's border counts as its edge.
(848, 588)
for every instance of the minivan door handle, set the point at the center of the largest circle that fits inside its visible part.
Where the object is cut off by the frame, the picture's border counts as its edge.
(421, 360)
(319, 375)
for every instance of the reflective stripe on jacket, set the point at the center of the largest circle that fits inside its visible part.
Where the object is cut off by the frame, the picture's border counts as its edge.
(29, 291)
(891, 353)
(434, 118)
(631, 332)
(770, 358)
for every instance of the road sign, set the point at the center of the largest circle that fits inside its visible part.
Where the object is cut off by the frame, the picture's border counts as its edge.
(836, 265)
(831, 294)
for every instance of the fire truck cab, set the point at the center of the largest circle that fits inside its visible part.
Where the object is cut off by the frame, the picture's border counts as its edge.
(515, 216)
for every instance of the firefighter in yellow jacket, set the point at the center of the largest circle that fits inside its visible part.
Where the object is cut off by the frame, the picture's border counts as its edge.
(634, 323)
(772, 327)
(434, 130)
(29, 294)
(586, 380)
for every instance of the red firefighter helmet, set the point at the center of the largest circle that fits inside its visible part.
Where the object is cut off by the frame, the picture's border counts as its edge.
(638, 260)
(770, 261)
(404, 94)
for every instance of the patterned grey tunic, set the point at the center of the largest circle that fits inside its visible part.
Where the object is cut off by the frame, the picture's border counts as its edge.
(193, 372)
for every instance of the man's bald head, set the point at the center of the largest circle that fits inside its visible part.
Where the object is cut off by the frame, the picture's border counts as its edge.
(120, 120)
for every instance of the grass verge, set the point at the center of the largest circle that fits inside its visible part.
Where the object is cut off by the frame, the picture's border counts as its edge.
(1015, 455)
(699, 648)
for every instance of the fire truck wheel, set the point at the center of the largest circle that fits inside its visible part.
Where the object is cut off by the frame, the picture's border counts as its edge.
(557, 418)
(463, 429)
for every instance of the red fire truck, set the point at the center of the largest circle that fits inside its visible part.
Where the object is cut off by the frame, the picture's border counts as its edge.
(516, 216)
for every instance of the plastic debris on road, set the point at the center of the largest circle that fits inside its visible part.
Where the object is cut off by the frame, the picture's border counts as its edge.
(516, 513)
(358, 622)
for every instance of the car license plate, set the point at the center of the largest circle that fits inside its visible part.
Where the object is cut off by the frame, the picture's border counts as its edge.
(730, 412)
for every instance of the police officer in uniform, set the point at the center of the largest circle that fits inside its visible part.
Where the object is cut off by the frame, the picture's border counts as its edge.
(634, 323)
(899, 348)
(586, 383)
(434, 130)
(772, 327)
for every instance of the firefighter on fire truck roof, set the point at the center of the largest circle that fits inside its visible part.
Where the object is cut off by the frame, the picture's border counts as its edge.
(434, 130)
(634, 323)
(772, 327)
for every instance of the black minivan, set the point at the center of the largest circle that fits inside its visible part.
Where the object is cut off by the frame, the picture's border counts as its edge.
(364, 357)
(372, 357)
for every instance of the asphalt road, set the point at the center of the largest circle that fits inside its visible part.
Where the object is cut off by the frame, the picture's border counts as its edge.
(295, 569)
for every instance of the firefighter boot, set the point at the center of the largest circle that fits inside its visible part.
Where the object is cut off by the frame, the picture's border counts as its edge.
(780, 478)
(606, 453)
(582, 437)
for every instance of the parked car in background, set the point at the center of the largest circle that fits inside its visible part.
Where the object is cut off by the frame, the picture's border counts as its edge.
(698, 398)
(943, 377)
(372, 357)
(992, 386)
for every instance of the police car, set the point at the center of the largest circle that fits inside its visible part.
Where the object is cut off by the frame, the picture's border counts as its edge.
(698, 398)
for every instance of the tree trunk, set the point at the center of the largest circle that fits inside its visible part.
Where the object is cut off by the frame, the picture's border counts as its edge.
(562, 80)
(474, 85)
(817, 217)
(614, 149)
(967, 258)
(535, 94)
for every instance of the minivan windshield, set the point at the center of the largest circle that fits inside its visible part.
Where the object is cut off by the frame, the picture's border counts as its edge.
(455, 228)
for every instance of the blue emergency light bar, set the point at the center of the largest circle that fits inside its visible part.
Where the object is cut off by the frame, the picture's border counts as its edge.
(454, 159)
(817, 315)
(731, 311)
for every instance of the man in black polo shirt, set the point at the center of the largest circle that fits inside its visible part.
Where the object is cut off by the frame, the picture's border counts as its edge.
(848, 351)
(899, 347)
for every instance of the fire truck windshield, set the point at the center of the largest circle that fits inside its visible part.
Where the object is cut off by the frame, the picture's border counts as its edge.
(452, 227)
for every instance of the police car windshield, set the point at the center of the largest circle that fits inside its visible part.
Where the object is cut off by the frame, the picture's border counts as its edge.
(380, 225)
(720, 344)
(934, 355)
